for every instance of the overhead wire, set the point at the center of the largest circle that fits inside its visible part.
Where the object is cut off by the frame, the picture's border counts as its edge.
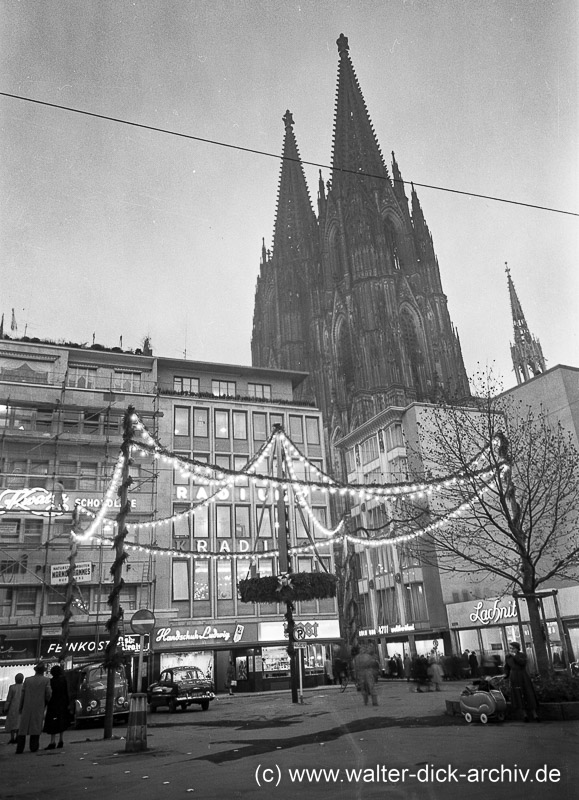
(302, 161)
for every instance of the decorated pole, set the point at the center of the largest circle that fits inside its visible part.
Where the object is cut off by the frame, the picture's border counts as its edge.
(70, 582)
(112, 651)
(284, 566)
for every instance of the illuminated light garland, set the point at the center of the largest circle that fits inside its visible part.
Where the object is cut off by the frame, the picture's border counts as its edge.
(108, 501)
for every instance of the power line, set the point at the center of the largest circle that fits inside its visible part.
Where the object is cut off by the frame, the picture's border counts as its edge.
(218, 143)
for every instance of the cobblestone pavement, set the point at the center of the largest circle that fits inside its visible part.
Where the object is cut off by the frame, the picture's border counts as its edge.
(249, 745)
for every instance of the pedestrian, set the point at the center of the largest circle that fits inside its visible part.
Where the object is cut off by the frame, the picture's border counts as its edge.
(57, 718)
(36, 693)
(365, 669)
(523, 697)
(407, 667)
(328, 671)
(230, 680)
(12, 707)
(421, 672)
(435, 674)
(473, 664)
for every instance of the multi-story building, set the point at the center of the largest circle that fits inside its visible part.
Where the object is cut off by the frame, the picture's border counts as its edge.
(61, 410)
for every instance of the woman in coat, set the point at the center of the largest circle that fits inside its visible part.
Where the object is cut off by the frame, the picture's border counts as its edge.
(522, 691)
(57, 718)
(12, 707)
(36, 693)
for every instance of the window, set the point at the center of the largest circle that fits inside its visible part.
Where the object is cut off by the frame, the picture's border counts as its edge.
(88, 475)
(16, 477)
(180, 579)
(82, 377)
(9, 530)
(12, 566)
(265, 567)
(296, 430)
(312, 430)
(55, 600)
(185, 385)
(179, 476)
(261, 391)
(239, 425)
(6, 596)
(369, 450)
(223, 388)
(300, 525)
(127, 598)
(223, 521)
(222, 461)
(201, 523)
(200, 579)
(201, 422)
(259, 427)
(181, 424)
(44, 420)
(33, 531)
(224, 580)
(239, 463)
(222, 424)
(90, 422)
(70, 421)
(415, 602)
(38, 474)
(394, 436)
(180, 525)
(66, 469)
(126, 381)
(26, 601)
(264, 521)
(242, 529)
(13, 417)
(275, 419)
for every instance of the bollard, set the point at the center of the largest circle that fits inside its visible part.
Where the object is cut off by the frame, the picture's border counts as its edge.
(137, 729)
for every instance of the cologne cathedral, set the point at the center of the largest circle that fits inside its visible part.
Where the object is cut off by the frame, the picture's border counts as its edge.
(352, 295)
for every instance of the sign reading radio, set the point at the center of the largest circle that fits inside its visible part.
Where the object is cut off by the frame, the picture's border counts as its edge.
(494, 613)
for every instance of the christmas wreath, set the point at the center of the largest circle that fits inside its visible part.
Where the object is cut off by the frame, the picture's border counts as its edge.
(288, 588)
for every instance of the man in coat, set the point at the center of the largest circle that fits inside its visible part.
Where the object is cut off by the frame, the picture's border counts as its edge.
(36, 693)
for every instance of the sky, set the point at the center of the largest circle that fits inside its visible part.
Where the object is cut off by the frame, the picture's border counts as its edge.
(109, 230)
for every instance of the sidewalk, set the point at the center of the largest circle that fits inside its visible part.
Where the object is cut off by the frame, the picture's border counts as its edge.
(220, 752)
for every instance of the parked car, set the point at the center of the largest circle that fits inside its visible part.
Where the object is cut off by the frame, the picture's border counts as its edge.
(87, 688)
(180, 686)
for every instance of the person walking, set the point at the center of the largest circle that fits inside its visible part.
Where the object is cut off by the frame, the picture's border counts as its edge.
(435, 673)
(230, 680)
(57, 718)
(36, 693)
(12, 707)
(523, 697)
(473, 664)
(328, 672)
(365, 669)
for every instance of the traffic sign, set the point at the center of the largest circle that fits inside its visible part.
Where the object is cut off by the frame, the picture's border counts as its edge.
(143, 621)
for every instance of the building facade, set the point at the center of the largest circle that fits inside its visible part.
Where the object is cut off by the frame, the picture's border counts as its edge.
(61, 427)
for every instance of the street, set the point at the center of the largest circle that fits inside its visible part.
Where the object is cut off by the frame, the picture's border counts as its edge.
(331, 746)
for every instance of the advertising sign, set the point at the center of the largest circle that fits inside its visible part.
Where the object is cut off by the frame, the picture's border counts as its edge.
(59, 573)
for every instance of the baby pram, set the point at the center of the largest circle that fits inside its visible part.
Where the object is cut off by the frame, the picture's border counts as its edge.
(483, 701)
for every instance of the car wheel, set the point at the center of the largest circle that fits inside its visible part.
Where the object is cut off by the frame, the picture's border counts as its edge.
(205, 705)
(172, 705)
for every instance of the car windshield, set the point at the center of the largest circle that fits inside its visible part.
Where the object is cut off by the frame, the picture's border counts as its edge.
(188, 674)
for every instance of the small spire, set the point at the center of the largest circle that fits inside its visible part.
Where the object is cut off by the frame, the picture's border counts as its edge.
(288, 119)
(526, 352)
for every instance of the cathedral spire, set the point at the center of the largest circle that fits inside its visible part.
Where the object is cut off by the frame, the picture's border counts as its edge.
(356, 147)
(526, 352)
(295, 219)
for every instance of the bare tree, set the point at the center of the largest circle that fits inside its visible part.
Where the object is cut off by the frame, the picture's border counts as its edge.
(515, 493)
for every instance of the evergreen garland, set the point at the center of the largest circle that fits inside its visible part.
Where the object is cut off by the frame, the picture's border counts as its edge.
(288, 589)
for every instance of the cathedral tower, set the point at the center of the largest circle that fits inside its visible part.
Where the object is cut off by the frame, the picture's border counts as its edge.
(354, 296)
(526, 352)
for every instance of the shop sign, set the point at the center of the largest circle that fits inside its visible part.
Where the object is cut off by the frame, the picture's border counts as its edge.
(59, 573)
(402, 628)
(487, 615)
(379, 631)
(86, 646)
(39, 501)
(202, 545)
(206, 634)
(304, 631)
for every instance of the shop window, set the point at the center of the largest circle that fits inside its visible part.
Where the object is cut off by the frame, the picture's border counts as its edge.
(180, 579)
(224, 580)
(222, 424)
(259, 391)
(200, 579)
(184, 385)
(223, 522)
(181, 421)
(201, 423)
(312, 430)
(296, 429)
(26, 601)
(223, 388)
(240, 425)
(242, 528)
(259, 427)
